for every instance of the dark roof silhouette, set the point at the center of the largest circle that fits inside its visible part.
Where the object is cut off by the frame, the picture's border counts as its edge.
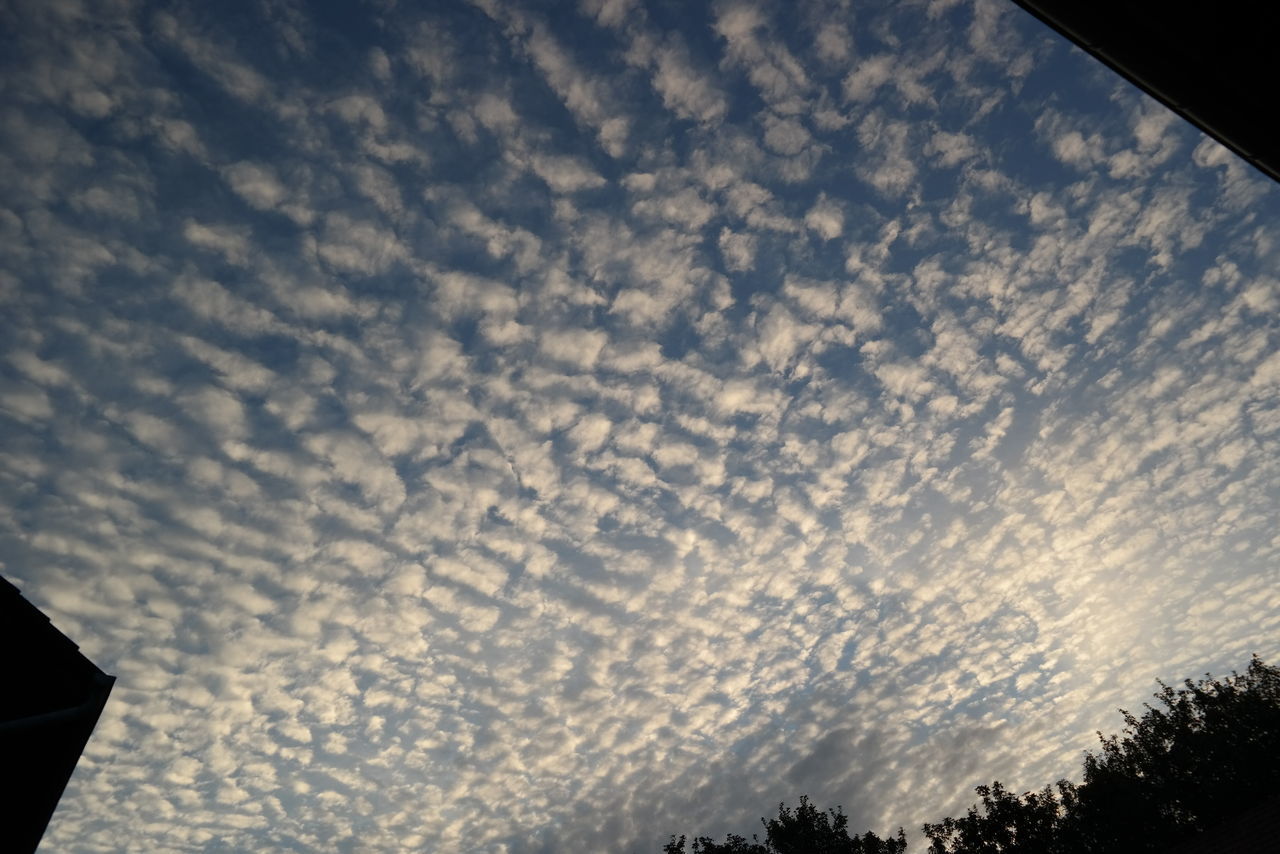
(50, 700)
(1212, 63)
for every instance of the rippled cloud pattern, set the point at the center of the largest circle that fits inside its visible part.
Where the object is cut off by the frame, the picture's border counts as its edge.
(520, 427)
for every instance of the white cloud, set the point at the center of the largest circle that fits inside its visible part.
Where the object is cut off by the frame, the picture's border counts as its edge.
(355, 246)
(1073, 148)
(780, 338)
(686, 91)
(738, 250)
(221, 412)
(785, 136)
(257, 184)
(26, 403)
(770, 66)
(210, 301)
(825, 218)
(869, 75)
(588, 98)
(591, 432)
(951, 149)
(834, 42)
(578, 347)
(566, 174)
(180, 135)
(228, 241)
(360, 110)
(888, 166)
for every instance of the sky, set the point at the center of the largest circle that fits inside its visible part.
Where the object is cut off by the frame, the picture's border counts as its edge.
(535, 427)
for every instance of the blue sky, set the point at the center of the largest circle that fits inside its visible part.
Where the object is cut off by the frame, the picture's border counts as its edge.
(522, 427)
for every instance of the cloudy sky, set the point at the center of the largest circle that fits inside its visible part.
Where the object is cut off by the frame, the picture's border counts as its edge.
(525, 427)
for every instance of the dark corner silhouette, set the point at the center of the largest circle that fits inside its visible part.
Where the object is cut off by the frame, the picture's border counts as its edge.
(49, 704)
(1213, 64)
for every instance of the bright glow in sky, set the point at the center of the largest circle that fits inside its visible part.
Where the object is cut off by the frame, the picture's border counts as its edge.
(473, 427)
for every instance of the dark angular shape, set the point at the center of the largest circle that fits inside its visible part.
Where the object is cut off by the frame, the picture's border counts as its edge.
(1214, 64)
(50, 700)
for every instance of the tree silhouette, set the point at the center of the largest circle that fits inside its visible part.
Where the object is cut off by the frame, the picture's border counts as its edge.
(1203, 755)
(1034, 823)
(1208, 752)
(806, 830)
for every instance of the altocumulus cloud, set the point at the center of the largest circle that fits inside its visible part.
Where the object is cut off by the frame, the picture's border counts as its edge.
(466, 428)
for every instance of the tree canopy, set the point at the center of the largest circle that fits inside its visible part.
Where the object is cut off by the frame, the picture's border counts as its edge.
(1202, 755)
(806, 830)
